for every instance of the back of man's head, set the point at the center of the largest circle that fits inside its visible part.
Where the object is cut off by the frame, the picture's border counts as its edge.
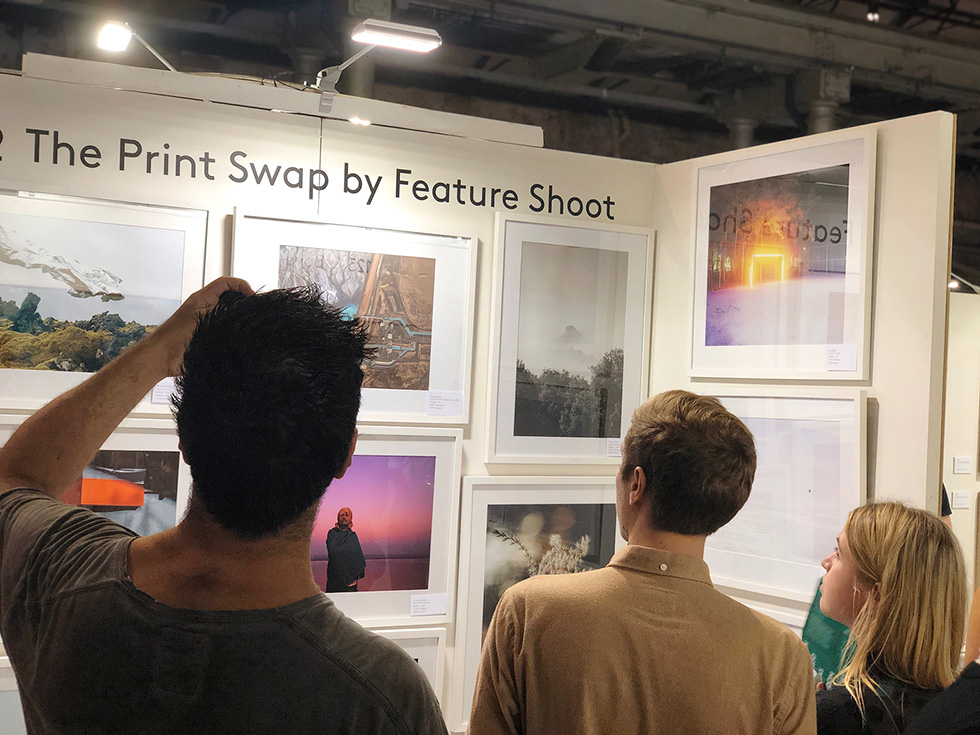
(266, 406)
(698, 459)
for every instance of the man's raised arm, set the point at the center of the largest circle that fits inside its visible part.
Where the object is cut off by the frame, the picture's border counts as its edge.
(50, 450)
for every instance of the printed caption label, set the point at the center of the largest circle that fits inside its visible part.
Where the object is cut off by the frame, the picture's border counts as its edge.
(444, 403)
(162, 391)
(428, 605)
(842, 357)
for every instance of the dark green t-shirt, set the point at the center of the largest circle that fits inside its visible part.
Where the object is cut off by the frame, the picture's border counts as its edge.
(93, 654)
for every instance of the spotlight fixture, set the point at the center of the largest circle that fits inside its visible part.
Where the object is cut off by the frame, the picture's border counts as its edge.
(115, 36)
(380, 33)
(396, 35)
(873, 16)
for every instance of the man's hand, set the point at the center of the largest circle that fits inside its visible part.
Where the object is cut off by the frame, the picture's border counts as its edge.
(173, 336)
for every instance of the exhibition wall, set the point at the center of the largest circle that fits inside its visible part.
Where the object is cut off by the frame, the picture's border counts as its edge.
(960, 438)
(437, 195)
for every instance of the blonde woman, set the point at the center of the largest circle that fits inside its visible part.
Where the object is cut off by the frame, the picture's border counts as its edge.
(897, 580)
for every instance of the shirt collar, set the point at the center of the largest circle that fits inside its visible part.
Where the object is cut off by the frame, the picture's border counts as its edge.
(664, 563)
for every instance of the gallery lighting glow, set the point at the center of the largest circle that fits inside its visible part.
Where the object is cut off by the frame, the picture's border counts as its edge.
(358, 121)
(115, 36)
(396, 35)
(954, 284)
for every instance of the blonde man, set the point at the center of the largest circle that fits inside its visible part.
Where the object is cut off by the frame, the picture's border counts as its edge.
(647, 644)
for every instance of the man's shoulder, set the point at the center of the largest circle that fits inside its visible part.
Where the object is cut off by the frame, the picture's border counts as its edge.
(377, 667)
(563, 588)
(363, 654)
(773, 632)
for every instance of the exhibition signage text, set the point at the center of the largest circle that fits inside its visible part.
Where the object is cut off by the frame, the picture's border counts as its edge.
(130, 155)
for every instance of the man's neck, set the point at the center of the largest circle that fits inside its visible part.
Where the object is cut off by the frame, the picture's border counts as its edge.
(201, 566)
(676, 543)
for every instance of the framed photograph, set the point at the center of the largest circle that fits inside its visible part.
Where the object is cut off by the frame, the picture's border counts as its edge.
(137, 479)
(571, 337)
(782, 273)
(81, 280)
(391, 561)
(415, 292)
(427, 646)
(811, 473)
(513, 528)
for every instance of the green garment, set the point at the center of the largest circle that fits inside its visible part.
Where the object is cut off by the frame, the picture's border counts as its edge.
(825, 638)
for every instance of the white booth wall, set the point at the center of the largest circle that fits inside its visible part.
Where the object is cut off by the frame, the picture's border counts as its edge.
(962, 419)
(910, 274)
(913, 194)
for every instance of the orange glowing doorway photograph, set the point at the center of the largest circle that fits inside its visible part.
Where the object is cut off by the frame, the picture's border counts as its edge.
(782, 263)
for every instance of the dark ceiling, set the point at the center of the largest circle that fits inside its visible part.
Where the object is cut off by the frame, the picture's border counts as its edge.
(771, 70)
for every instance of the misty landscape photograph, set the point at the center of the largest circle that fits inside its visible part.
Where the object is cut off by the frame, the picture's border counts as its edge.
(571, 326)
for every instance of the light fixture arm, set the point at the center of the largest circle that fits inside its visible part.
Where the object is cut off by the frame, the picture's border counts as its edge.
(152, 50)
(326, 79)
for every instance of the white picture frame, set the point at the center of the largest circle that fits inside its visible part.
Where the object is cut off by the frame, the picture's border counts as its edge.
(811, 472)
(133, 435)
(431, 605)
(783, 261)
(60, 237)
(615, 264)
(427, 646)
(258, 241)
(479, 493)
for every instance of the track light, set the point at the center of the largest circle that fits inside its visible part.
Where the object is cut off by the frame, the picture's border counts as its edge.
(396, 35)
(380, 33)
(873, 16)
(115, 36)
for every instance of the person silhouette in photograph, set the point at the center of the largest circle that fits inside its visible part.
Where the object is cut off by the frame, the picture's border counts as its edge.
(345, 560)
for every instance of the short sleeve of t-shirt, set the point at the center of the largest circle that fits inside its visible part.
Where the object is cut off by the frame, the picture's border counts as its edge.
(47, 546)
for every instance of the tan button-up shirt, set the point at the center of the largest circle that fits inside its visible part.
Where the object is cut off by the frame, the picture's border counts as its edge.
(646, 645)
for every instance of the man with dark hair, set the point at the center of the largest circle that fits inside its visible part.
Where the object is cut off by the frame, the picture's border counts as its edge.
(647, 644)
(216, 625)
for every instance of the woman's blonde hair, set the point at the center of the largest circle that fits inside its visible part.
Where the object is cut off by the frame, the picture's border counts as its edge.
(910, 627)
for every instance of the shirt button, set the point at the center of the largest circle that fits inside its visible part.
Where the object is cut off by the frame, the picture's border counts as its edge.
(663, 567)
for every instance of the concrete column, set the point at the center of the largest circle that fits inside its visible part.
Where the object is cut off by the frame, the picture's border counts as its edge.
(741, 132)
(821, 117)
(306, 64)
